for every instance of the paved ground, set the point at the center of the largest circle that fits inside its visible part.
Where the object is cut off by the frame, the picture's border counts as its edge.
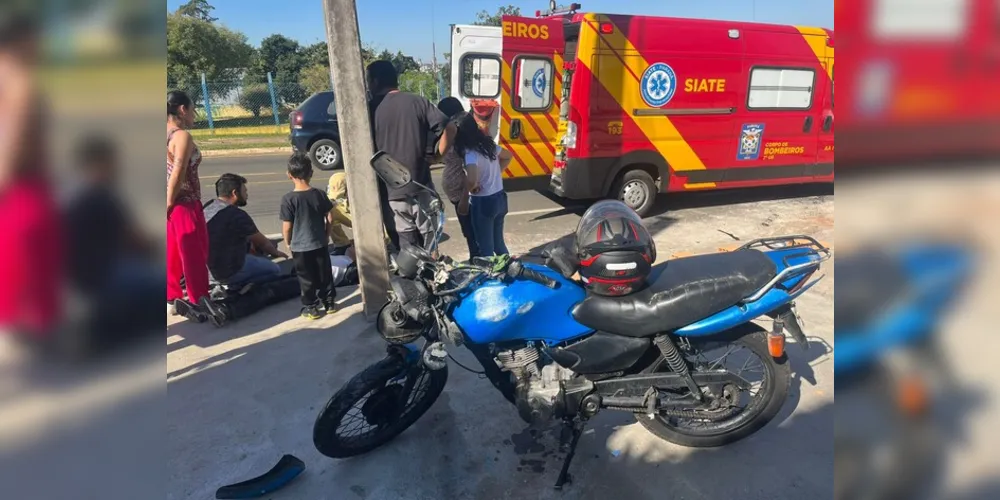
(242, 396)
(535, 215)
(268, 183)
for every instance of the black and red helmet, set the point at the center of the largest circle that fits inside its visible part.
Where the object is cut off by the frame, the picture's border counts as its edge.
(616, 251)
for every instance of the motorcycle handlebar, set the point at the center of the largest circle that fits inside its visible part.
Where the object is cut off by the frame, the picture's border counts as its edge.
(516, 270)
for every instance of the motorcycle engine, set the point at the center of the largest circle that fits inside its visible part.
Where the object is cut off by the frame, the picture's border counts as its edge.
(539, 391)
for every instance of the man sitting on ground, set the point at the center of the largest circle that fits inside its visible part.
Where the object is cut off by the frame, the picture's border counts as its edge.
(113, 266)
(231, 236)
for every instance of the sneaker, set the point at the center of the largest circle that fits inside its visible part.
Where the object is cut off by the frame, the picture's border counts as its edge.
(189, 311)
(215, 311)
(330, 305)
(312, 312)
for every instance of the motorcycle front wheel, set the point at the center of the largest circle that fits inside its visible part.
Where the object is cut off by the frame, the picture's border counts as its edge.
(375, 406)
(762, 402)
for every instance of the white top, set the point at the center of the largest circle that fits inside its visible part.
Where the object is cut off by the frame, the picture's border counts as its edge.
(490, 176)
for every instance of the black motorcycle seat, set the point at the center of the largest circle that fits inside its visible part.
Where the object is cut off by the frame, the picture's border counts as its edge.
(679, 292)
(867, 283)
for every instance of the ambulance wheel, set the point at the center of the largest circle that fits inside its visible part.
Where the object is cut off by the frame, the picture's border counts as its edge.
(636, 189)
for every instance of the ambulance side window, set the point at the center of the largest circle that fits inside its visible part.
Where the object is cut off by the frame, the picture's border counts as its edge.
(480, 76)
(533, 83)
(776, 89)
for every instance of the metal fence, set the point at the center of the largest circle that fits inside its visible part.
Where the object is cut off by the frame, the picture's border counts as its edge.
(245, 108)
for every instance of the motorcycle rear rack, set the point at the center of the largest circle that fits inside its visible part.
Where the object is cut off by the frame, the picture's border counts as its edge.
(809, 248)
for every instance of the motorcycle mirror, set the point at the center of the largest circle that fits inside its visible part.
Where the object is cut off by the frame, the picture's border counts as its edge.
(393, 173)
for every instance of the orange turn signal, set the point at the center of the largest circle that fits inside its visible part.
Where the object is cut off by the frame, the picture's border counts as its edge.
(776, 345)
(912, 396)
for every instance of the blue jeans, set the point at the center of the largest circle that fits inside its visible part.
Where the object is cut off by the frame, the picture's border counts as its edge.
(487, 214)
(465, 222)
(255, 269)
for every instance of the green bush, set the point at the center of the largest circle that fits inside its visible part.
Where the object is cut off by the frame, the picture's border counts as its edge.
(255, 97)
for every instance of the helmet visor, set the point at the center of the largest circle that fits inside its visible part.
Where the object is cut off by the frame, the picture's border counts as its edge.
(610, 225)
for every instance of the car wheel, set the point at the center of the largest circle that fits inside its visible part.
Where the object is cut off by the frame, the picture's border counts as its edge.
(325, 154)
(636, 189)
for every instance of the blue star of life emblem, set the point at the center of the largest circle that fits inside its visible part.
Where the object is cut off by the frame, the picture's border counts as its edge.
(657, 85)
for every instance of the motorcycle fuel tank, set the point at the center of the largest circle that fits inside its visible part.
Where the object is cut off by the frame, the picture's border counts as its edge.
(521, 310)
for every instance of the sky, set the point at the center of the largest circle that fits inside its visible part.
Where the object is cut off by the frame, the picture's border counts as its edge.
(411, 25)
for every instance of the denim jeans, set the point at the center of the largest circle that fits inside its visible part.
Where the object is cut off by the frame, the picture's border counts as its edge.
(487, 214)
(255, 269)
(465, 222)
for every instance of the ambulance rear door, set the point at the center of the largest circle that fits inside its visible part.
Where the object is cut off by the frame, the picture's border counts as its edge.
(532, 85)
(476, 66)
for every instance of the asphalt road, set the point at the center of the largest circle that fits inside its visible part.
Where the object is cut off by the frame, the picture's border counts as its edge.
(268, 183)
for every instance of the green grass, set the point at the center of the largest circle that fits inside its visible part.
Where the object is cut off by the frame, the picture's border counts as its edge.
(242, 132)
(228, 143)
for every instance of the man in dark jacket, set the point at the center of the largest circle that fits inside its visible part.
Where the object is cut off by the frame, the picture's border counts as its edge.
(403, 123)
(388, 219)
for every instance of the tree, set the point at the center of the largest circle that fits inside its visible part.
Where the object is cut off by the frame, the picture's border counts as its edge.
(445, 71)
(420, 82)
(141, 24)
(196, 46)
(400, 61)
(484, 18)
(284, 58)
(253, 97)
(316, 54)
(198, 9)
(315, 78)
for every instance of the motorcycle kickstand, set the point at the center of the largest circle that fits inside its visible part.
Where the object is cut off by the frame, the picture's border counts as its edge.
(564, 475)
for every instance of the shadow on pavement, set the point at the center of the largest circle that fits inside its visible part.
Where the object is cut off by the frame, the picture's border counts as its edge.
(235, 414)
(205, 335)
(699, 199)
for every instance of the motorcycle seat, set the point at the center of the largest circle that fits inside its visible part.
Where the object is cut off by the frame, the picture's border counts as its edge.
(679, 292)
(867, 283)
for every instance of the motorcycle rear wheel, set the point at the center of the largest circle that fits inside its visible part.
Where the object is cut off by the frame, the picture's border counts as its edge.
(374, 394)
(762, 408)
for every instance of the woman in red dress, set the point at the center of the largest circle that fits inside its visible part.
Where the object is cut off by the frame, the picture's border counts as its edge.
(31, 247)
(187, 233)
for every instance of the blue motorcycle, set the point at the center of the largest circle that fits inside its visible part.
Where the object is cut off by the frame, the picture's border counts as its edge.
(681, 354)
(889, 368)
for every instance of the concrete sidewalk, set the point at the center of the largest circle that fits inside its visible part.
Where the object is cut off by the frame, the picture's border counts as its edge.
(242, 396)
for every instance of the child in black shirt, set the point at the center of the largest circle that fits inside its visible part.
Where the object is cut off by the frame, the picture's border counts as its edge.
(305, 215)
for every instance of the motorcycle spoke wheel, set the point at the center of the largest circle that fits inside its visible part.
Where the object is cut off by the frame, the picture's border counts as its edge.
(379, 410)
(733, 412)
(744, 363)
(374, 407)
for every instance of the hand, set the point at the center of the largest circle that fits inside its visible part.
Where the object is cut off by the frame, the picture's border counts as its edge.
(281, 254)
(463, 207)
(476, 189)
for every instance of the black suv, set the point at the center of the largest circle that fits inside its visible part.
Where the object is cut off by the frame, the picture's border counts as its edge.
(314, 129)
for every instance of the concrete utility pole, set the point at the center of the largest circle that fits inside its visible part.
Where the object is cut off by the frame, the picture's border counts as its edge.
(347, 68)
